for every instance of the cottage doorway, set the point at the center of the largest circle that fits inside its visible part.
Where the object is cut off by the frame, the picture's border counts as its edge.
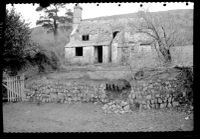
(98, 54)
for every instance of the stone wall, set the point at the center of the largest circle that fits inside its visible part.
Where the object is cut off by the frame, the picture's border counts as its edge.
(118, 96)
(46, 90)
(125, 55)
(154, 94)
(165, 89)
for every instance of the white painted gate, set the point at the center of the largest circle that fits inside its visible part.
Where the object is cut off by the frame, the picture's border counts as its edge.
(15, 87)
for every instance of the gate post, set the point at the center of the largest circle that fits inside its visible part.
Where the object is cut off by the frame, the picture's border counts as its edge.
(22, 87)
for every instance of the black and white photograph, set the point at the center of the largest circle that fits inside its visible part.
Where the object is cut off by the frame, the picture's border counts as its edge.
(98, 67)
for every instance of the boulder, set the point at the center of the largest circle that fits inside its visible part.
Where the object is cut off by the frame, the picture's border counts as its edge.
(155, 100)
(43, 100)
(148, 106)
(133, 96)
(63, 101)
(157, 106)
(169, 105)
(123, 103)
(152, 101)
(131, 101)
(148, 97)
(163, 105)
(144, 106)
(175, 104)
(139, 96)
(159, 100)
(148, 102)
(157, 95)
(105, 107)
(170, 99)
(127, 108)
(152, 105)
(165, 100)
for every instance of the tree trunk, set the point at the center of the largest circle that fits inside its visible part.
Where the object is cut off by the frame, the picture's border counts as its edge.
(165, 51)
(55, 33)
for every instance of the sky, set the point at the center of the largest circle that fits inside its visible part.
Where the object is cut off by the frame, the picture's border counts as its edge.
(91, 10)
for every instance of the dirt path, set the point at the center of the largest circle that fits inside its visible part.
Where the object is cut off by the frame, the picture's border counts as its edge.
(29, 117)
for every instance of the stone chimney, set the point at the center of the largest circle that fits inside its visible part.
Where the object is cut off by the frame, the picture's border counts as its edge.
(77, 16)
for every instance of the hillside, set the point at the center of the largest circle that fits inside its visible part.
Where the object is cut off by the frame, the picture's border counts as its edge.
(40, 35)
(185, 13)
(46, 40)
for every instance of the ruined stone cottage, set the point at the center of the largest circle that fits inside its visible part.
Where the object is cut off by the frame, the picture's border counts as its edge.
(101, 40)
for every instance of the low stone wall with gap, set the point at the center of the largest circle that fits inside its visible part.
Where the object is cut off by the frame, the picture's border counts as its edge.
(166, 89)
(117, 96)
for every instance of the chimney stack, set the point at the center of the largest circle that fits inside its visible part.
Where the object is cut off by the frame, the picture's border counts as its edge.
(77, 15)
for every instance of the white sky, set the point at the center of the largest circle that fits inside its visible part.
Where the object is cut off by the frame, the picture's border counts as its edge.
(91, 10)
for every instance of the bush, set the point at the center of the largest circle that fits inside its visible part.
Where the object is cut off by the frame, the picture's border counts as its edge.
(185, 87)
(44, 60)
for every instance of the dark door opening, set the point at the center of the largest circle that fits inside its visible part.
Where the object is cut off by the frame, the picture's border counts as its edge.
(98, 50)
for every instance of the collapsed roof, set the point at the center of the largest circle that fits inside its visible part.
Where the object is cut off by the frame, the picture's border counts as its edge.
(101, 32)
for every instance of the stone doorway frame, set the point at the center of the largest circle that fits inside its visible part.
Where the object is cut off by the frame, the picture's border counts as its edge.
(98, 54)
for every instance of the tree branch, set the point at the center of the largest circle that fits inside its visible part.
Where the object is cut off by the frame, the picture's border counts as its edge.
(141, 31)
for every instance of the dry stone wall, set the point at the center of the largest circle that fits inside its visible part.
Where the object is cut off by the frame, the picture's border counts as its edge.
(116, 96)
(154, 95)
(148, 94)
(65, 92)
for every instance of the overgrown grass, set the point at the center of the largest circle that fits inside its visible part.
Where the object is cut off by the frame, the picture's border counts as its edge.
(181, 55)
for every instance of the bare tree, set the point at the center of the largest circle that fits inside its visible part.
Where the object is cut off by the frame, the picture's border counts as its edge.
(162, 30)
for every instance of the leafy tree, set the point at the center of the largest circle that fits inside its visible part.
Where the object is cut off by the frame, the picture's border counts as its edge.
(19, 50)
(17, 43)
(162, 30)
(52, 21)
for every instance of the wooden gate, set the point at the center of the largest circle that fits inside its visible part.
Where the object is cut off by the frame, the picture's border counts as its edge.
(15, 87)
